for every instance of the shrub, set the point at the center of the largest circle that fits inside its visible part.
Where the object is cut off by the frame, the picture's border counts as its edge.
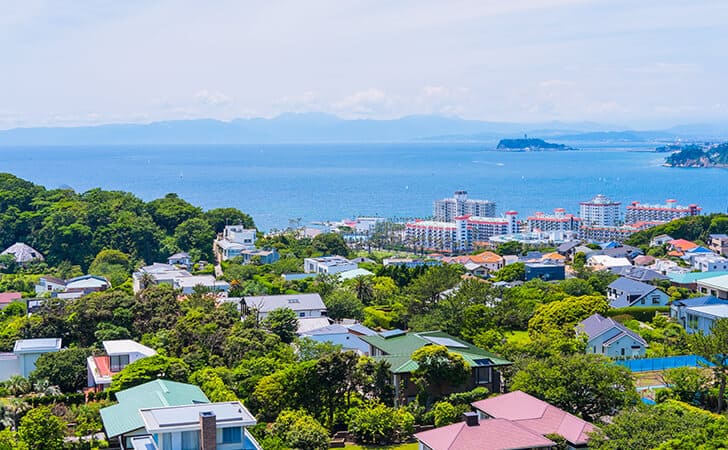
(641, 313)
(300, 431)
(444, 413)
(375, 423)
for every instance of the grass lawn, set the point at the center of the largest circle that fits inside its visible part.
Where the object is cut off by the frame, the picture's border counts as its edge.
(518, 337)
(412, 446)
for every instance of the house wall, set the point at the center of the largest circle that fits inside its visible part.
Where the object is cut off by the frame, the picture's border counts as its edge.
(695, 323)
(9, 366)
(299, 313)
(614, 350)
(708, 290)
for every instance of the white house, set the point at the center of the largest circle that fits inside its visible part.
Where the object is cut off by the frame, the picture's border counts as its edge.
(606, 262)
(50, 284)
(715, 286)
(328, 265)
(660, 240)
(700, 319)
(188, 284)
(71, 288)
(24, 356)
(624, 292)
(304, 305)
(177, 278)
(611, 338)
(234, 240)
(710, 263)
(119, 354)
(180, 259)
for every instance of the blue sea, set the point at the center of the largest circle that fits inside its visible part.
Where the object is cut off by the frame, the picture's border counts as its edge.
(276, 183)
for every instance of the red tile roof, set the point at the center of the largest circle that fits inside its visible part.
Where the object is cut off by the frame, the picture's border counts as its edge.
(536, 415)
(490, 434)
(683, 244)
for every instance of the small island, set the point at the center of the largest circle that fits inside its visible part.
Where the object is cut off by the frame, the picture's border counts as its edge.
(709, 155)
(530, 145)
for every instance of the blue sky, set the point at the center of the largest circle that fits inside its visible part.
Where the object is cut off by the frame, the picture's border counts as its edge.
(632, 63)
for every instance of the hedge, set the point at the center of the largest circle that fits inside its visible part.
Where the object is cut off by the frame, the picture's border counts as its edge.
(641, 313)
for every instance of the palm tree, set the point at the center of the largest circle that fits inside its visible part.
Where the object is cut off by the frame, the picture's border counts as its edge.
(146, 280)
(364, 289)
(10, 411)
(17, 385)
(44, 388)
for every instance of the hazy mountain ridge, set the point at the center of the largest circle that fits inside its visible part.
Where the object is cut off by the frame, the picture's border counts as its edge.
(325, 128)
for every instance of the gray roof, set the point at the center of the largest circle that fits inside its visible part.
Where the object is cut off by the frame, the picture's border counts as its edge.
(624, 251)
(23, 252)
(638, 273)
(567, 246)
(719, 236)
(187, 417)
(41, 345)
(596, 325)
(296, 302)
(630, 286)
(180, 255)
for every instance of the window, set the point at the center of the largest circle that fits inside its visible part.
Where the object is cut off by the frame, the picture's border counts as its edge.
(692, 321)
(482, 375)
(118, 362)
(232, 435)
(302, 314)
(622, 351)
(166, 441)
(190, 440)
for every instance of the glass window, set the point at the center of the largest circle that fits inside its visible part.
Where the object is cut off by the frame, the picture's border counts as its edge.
(232, 435)
(118, 362)
(166, 441)
(190, 440)
(482, 375)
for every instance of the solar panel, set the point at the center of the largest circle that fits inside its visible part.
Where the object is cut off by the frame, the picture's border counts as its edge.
(447, 342)
(392, 333)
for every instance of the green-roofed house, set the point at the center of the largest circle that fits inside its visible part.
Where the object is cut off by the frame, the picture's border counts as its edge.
(123, 421)
(396, 347)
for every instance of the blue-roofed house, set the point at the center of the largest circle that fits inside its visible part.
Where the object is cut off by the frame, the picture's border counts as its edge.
(624, 292)
(608, 337)
(678, 307)
(345, 335)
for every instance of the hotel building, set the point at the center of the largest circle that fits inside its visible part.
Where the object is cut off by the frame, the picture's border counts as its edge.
(600, 211)
(639, 212)
(447, 209)
(460, 234)
(558, 221)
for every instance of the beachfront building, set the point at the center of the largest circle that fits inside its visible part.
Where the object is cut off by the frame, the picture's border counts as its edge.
(643, 212)
(617, 233)
(328, 265)
(447, 209)
(558, 221)
(119, 354)
(460, 235)
(601, 211)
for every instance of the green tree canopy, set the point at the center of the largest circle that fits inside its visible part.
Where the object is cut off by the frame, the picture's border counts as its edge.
(282, 322)
(40, 429)
(65, 369)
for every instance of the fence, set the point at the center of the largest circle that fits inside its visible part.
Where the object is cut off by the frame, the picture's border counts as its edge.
(668, 362)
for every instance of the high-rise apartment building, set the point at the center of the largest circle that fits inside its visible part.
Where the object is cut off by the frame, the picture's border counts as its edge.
(558, 221)
(447, 209)
(640, 212)
(600, 211)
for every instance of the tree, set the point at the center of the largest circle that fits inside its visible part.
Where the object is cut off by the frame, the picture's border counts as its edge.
(40, 429)
(563, 315)
(195, 235)
(445, 413)
(112, 264)
(301, 431)
(218, 218)
(687, 384)
(649, 427)
(511, 272)
(438, 367)
(149, 369)
(344, 304)
(426, 289)
(713, 347)
(588, 385)
(171, 211)
(330, 244)
(364, 288)
(65, 369)
(510, 248)
(376, 423)
(282, 322)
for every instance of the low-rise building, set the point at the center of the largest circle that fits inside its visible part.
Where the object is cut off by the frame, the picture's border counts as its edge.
(719, 243)
(678, 307)
(21, 361)
(710, 263)
(7, 298)
(487, 260)
(328, 265)
(625, 292)
(180, 259)
(700, 319)
(545, 271)
(181, 279)
(638, 273)
(119, 354)
(71, 288)
(660, 240)
(397, 346)
(304, 305)
(23, 253)
(715, 286)
(606, 262)
(608, 337)
(234, 240)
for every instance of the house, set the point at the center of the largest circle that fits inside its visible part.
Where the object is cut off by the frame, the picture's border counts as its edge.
(487, 260)
(49, 284)
(624, 292)
(171, 415)
(306, 324)
(478, 270)
(719, 243)
(234, 240)
(119, 354)
(660, 240)
(260, 256)
(328, 265)
(181, 279)
(608, 337)
(638, 273)
(715, 286)
(397, 346)
(473, 433)
(690, 280)
(710, 263)
(188, 284)
(678, 307)
(535, 415)
(304, 305)
(622, 251)
(700, 319)
(644, 260)
(24, 356)
(546, 272)
(7, 298)
(71, 288)
(568, 249)
(553, 258)
(606, 262)
(180, 259)
(680, 246)
(347, 336)
(23, 253)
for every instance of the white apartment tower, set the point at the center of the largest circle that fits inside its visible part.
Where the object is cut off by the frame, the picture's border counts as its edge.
(599, 211)
(447, 209)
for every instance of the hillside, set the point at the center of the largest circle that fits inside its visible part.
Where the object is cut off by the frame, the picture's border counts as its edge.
(690, 228)
(700, 156)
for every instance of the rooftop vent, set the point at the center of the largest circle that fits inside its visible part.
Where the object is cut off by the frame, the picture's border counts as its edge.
(471, 419)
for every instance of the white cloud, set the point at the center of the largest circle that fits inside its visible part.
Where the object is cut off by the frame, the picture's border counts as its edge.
(364, 103)
(212, 98)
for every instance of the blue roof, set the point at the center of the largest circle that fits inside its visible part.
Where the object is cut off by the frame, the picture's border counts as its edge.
(700, 301)
(631, 286)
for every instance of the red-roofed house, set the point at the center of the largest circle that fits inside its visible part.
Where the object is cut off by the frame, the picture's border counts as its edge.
(475, 434)
(537, 416)
(7, 298)
(682, 245)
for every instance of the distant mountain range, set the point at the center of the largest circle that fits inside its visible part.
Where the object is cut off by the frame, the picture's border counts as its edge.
(324, 128)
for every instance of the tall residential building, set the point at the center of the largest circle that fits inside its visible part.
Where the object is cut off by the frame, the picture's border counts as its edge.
(600, 211)
(459, 235)
(639, 212)
(558, 221)
(616, 233)
(447, 209)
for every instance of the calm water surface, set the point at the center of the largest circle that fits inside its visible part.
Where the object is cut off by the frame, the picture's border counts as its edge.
(275, 183)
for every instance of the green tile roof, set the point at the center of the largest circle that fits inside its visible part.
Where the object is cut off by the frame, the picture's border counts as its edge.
(124, 417)
(399, 350)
